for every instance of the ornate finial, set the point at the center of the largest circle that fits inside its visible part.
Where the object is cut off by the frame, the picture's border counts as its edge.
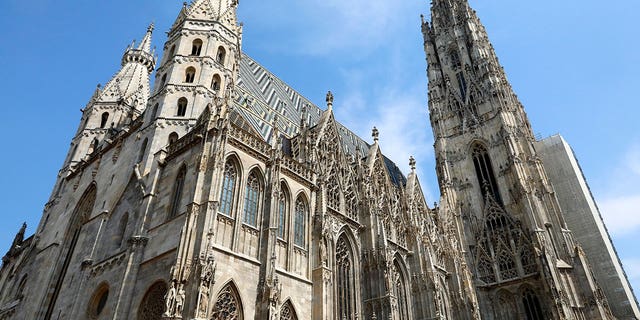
(375, 134)
(412, 163)
(151, 27)
(329, 99)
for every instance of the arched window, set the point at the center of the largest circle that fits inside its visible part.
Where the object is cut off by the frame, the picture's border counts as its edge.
(122, 230)
(196, 47)
(143, 149)
(182, 107)
(532, 307)
(400, 290)
(228, 187)
(98, 301)
(283, 207)
(287, 312)
(173, 137)
(104, 119)
(190, 75)
(221, 55)
(178, 187)
(345, 280)
(484, 173)
(505, 309)
(172, 52)
(302, 211)
(228, 305)
(153, 304)
(94, 146)
(80, 215)
(251, 200)
(216, 82)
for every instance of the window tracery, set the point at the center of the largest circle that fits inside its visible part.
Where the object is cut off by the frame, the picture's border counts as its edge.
(228, 188)
(345, 280)
(287, 312)
(531, 303)
(484, 173)
(400, 290)
(302, 211)
(251, 200)
(227, 305)
(152, 306)
(282, 212)
(333, 191)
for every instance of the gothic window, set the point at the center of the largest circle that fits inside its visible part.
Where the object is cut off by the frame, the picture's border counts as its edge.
(287, 312)
(506, 261)
(172, 52)
(143, 149)
(216, 82)
(196, 47)
(190, 75)
(98, 301)
(283, 204)
(400, 290)
(532, 307)
(104, 119)
(173, 137)
(153, 304)
(302, 211)
(178, 188)
(82, 212)
(222, 53)
(228, 305)
(462, 84)
(455, 60)
(345, 280)
(333, 191)
(182, 107)
(484, 173)
(251, 200)
(228, 188)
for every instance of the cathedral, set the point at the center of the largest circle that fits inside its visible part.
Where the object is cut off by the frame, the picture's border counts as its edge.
(221, 193)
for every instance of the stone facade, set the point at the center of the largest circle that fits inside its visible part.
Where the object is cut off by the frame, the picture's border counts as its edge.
(583, 218)
(222, 193)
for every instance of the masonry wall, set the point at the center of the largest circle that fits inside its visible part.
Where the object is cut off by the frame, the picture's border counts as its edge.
(583, 218)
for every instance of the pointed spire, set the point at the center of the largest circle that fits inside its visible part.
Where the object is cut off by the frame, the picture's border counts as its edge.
(145, 44)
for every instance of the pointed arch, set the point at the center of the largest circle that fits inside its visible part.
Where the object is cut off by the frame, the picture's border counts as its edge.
(400, 287)
(484, 172)
(505, 306)
(178, 190)
(301, 218)
(288, 312)
(104, 119)
(345, 274)
(221, 55)
(284, 200)
(230, 180)
(228, 304)
(531, 304)
(122, 230)
(252, 197)
(196, 47)
(152, 305)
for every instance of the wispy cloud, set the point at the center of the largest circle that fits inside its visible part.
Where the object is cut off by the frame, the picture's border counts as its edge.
(620, 205)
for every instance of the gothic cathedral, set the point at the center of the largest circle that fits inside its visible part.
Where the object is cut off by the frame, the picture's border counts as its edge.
(221, 193)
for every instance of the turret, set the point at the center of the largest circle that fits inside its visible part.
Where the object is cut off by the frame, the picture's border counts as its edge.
(115, 106)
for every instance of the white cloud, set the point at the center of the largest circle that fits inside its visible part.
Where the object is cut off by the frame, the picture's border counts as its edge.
(621, 214)
(620, 205)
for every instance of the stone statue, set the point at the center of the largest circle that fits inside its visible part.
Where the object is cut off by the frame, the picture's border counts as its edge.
(180, 297)
(170, 300)
(204, 300)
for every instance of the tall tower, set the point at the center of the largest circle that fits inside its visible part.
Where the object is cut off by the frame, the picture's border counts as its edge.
(495, 191)
(198, 69)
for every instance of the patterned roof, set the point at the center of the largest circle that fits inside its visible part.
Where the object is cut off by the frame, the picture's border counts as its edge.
(263, 96)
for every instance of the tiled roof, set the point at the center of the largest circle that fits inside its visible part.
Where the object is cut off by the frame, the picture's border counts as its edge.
(263, 96)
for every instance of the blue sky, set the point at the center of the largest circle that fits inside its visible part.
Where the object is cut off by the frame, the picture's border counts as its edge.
(574, 65)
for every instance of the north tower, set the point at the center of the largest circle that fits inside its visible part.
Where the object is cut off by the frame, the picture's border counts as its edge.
(495, 192)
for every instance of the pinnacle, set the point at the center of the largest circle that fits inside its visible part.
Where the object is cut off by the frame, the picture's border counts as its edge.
(145, 44)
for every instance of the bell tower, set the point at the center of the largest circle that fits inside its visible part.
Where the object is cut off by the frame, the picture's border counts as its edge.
(495, 191)
(198, 69)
